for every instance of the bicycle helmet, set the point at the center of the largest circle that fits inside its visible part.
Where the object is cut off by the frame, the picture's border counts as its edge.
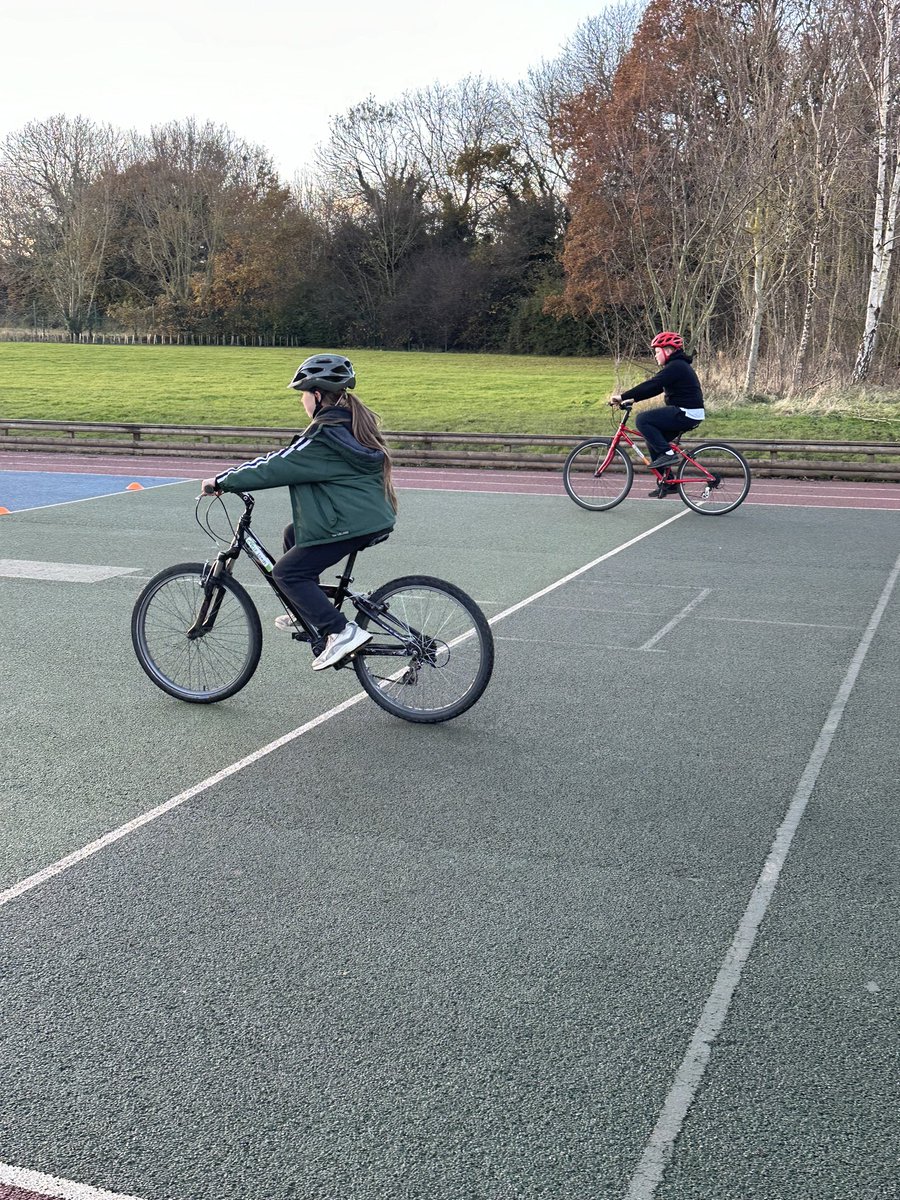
(324, 372)
(667, 341)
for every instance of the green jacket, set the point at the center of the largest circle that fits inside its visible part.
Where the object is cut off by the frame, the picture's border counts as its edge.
(336, 483)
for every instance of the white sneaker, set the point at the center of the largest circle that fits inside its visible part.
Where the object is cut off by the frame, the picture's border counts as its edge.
(286, 623)
(339, 645)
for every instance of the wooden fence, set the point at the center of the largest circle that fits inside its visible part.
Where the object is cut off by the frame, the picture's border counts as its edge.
(515, 451)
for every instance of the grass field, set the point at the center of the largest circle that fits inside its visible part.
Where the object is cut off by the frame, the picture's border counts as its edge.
(412, 391)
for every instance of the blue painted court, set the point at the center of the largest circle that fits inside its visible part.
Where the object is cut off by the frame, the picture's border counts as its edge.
(37, 489)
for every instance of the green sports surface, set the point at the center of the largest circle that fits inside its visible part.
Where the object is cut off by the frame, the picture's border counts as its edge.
(462, 961)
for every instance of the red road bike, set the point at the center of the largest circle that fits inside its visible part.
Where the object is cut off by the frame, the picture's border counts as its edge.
(712, 479)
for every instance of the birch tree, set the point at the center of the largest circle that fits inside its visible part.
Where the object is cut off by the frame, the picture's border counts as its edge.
(880, 29)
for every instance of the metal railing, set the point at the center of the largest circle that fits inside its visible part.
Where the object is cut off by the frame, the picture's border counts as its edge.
(511, 451)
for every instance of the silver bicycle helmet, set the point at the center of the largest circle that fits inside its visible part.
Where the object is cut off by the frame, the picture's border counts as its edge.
(324, 372)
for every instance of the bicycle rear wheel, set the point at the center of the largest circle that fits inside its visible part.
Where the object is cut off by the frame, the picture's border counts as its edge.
(202, 664)
(597, 492)
(432, 651)
(728, 486)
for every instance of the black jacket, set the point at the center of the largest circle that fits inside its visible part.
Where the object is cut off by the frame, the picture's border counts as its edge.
(677, 380)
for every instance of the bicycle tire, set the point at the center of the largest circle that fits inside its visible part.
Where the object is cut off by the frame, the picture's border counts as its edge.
(185, 667)
(732, 472)
(453, 655)
(597, 493)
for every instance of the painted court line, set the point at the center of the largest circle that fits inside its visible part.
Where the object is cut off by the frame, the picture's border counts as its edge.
(544, 641)
(48, 1185)
(78, 856)
(84, 499)
(792, 624)
(20, 568)
(676, 620)
(115, 835)
(507, 612)
(661, 1146)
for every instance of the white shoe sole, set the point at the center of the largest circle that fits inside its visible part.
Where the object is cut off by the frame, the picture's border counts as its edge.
(345, 652)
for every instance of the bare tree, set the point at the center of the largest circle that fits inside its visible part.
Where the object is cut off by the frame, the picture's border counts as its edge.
(377, 215)
(824, 134)
(462, 136)
(58, 205)
(184, 186)
(589, 60)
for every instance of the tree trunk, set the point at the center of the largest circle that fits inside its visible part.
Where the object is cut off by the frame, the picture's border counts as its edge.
(886, 194)
(759, 295)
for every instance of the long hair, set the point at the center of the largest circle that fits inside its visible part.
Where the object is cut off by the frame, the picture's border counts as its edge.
(365, 425)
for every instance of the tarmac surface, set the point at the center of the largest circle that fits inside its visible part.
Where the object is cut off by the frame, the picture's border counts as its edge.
(627, 928)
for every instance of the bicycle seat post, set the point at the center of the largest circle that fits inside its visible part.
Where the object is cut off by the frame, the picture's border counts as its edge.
(346, 578)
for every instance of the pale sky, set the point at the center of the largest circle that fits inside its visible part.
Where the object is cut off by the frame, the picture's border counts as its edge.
(272, 70)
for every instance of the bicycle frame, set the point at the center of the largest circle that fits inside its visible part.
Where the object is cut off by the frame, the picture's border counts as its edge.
(624, 434)
(412, 641)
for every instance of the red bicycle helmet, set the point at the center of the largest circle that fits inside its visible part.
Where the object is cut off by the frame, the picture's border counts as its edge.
(667, 341)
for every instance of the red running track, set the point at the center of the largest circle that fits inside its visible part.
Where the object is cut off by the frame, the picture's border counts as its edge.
(805, 493)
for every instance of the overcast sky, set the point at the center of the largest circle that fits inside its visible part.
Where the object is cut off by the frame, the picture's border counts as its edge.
(271, 70)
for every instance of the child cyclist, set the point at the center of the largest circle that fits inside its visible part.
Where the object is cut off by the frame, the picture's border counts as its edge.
(339, 474)
(683, 409)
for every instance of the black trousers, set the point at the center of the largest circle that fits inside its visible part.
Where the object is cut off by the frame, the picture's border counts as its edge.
(297, 574)
(659, 425)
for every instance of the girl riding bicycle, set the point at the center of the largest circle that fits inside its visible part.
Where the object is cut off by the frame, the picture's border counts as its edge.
(683, 409)
(339, 474)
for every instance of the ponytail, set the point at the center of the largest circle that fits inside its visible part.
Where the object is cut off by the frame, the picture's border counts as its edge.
(365, 425)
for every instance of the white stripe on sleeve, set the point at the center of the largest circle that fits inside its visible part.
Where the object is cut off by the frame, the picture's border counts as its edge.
(264, 458)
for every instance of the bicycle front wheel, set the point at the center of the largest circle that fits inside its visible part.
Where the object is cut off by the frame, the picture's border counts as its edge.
(198, 642)
(432, 651)
(592, 488)
(721, 483)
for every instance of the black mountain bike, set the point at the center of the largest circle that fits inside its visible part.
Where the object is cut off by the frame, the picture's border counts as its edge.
(197, 633)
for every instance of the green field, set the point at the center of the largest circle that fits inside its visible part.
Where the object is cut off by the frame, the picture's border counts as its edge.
(186, 385)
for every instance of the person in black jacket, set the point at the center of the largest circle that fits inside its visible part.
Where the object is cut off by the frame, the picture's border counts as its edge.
(339, 475)
(683, 409)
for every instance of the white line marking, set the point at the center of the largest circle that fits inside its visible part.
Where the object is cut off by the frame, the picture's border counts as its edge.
(798, 624)
(49, 1185)
(676, 620)
(103, 496)
(19, 568)
(659, 1149)
(580, 646)
(77, 856)
(507, 612)
(115, 835)
(632, 612)
(498, 491)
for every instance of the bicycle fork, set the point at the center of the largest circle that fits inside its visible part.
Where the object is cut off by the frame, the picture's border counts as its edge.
(213, 595)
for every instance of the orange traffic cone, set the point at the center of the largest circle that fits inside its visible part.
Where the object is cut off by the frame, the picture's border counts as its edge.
(135, 487)
(3, 510)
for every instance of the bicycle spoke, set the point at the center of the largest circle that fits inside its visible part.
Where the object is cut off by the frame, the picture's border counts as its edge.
(445, 657)
(591, 484)
(715, 480)
(210, 664)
